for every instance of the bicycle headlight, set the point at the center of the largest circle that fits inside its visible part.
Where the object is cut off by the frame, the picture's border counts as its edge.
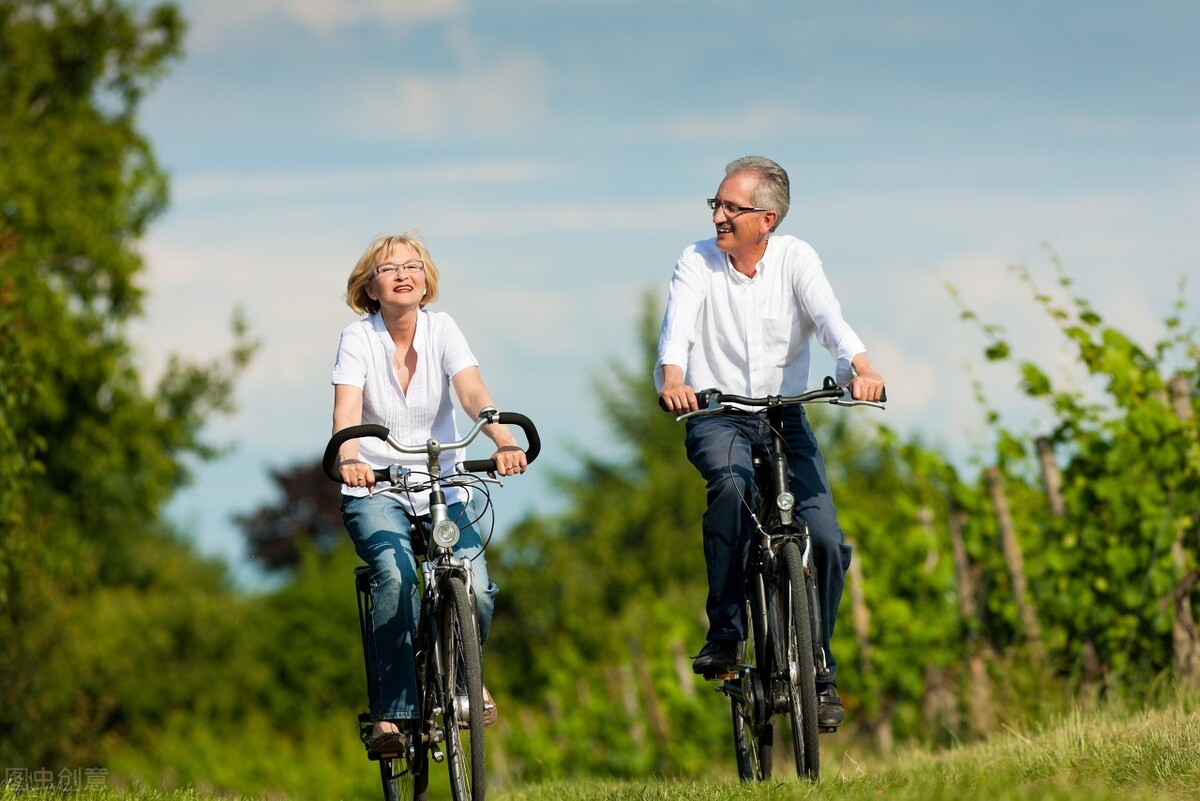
(786, 501)
(445, 534)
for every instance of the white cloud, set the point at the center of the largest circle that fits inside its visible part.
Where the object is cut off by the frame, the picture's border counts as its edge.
(778, 117)
(213, 21)
(502, 96)
(289, 184)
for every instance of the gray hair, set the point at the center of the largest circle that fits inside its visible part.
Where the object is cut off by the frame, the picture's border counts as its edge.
(773, 191)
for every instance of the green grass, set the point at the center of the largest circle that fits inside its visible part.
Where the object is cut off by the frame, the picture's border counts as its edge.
(1099, 757)
(1150, 755)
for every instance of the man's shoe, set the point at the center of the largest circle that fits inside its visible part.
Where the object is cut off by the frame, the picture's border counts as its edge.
(830, 712)
(490, 713)
(716, 658)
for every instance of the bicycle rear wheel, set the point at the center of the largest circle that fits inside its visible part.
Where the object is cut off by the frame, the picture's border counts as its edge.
(753, 725)
(401, 782)
(462, 687)
(751, 748)
(790, 610)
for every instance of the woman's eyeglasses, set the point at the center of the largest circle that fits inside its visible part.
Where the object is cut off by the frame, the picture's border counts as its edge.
(389, 269)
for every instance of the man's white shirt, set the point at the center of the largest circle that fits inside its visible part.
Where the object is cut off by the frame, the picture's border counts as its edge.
(750, 336)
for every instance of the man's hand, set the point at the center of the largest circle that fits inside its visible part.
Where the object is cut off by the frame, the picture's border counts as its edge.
(867, 384)
(677, 397)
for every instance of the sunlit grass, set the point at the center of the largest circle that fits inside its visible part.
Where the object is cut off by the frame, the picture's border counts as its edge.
(1094, 757)
(1151, 755)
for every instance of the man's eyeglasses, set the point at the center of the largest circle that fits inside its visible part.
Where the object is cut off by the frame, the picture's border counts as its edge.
(730, 209)
(390, 270)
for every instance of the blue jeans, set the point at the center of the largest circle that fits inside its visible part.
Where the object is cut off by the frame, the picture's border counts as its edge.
(719, 446)
(380, 531)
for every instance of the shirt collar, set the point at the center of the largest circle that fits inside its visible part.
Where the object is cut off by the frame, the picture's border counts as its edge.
(758, 268)
(385, 336)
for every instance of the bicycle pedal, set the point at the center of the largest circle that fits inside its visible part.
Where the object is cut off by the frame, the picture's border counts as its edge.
(726, 676)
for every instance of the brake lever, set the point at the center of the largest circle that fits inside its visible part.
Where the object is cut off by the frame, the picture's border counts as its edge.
(873, 404)
(715, 408)
(474, 477)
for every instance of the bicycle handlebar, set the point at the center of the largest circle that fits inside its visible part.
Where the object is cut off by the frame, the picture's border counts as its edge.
(714, 400)
(329, 462)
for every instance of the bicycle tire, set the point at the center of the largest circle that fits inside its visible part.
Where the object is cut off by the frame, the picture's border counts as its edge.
(747, 743)
(462, 675)
(403, 777)
(753, 725)
(797, 668)
(401, 781)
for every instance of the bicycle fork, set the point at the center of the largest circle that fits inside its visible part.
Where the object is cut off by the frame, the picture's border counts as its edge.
(814, 607)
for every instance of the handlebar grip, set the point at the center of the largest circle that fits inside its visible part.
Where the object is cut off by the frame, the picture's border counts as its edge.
(532, 450)
(329, 460)
(703, 396)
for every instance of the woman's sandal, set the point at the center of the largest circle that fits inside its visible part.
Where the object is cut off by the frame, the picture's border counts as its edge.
(386, 743)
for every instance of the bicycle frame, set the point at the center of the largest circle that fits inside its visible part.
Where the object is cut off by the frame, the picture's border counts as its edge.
(777, 525)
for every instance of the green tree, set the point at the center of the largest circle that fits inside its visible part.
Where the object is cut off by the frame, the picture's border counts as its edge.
(308, 514)
(95, 455)
(600, 605)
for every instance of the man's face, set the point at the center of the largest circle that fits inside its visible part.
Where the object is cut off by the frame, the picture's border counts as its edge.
(738, 231)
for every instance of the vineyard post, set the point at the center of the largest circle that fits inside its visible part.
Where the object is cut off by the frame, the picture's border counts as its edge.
(1183, 626)
(1014, 562)
(878, 727)
(979, 695)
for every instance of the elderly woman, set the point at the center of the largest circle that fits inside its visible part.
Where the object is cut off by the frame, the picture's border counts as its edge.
(395, 367)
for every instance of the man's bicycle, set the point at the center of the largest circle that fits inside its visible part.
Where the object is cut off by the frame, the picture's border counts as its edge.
(449, 726)
(782, 659)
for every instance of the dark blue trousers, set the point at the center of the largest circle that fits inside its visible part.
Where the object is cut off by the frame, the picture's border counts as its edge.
(719, 446)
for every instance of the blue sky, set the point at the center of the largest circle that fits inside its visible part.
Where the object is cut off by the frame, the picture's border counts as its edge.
(556, 156)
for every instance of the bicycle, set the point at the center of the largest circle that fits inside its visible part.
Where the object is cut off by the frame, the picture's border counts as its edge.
(446, 646)
(782, 658)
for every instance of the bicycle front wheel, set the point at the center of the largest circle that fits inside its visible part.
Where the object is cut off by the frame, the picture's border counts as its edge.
(462, 687)
(798, 671)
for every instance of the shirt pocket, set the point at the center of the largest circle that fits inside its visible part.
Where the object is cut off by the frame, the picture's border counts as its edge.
(781, 336)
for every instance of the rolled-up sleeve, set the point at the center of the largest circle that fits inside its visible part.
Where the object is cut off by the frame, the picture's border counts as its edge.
(684, 301)
(824, 311)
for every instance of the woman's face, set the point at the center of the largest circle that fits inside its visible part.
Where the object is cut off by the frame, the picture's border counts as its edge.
(399, 278)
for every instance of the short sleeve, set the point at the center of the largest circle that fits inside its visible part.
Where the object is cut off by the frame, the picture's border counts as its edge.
(456, 353)
(351, 365)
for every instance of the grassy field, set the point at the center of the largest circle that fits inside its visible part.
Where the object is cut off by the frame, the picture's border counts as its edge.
(1151, 755)
(1108, 757)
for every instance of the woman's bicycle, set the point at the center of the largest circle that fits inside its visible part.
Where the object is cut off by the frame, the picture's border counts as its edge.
(782, 659)
(449, 726)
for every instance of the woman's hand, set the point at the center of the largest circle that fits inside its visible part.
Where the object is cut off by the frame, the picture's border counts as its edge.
(356, 473)
(510, 461)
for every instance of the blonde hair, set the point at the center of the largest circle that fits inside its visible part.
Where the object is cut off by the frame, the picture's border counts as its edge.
(364, 271)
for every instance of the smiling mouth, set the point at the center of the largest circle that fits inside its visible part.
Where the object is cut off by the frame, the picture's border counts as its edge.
(725, 229)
